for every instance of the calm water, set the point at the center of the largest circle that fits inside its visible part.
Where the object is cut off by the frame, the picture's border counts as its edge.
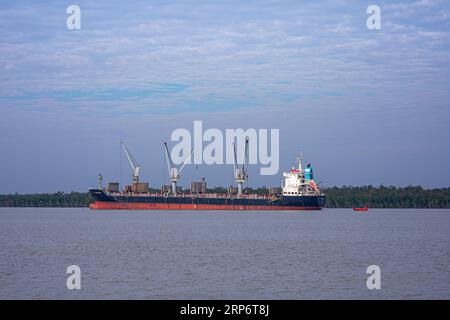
(224, 255)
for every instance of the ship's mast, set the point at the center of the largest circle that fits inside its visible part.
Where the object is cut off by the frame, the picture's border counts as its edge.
(100, 178)
(299, 160)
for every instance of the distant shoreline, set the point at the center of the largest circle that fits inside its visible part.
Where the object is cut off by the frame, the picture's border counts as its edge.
(411, 197)
(87, 207)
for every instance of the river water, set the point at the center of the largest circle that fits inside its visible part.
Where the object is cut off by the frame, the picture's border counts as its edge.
(224, 254)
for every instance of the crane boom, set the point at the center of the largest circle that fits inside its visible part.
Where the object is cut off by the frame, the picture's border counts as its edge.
(245, 154)
(186, 159)
(174, 172)
(168, 158)
(240, 175)
(133, 163)
(235, 166)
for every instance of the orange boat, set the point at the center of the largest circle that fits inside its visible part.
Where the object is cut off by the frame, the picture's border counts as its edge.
(365, 208)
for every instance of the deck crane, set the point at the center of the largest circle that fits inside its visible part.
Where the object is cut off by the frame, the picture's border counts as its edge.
(133, 163)
(240, 175)
(174, 172)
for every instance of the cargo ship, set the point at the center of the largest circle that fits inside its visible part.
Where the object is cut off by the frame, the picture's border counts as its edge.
(297, 192)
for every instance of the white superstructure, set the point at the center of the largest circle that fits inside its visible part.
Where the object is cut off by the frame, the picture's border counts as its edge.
(296, 184)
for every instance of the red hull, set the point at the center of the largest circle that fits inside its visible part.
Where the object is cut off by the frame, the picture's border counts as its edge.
(100, 205)
(361, 209)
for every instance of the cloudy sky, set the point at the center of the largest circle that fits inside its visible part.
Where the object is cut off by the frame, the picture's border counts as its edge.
(364, 106)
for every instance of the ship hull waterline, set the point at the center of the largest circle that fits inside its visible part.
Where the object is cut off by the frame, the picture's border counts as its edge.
(100, 205)
(104, 201)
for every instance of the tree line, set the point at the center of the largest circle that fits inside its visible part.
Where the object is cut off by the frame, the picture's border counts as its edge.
(58, 199)
(337, 197)
(387, 197)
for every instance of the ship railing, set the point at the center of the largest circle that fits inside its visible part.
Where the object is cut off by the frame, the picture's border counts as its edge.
(197, 195)
(228, 195)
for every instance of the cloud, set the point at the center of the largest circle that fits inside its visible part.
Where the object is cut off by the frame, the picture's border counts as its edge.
(240, 52)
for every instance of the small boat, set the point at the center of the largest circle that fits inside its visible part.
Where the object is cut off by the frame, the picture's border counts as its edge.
(365, 208)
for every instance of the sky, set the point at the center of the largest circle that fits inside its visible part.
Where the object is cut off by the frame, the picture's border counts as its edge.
(364, 106)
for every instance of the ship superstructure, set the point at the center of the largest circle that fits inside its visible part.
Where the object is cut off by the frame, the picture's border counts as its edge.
(299, 181)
